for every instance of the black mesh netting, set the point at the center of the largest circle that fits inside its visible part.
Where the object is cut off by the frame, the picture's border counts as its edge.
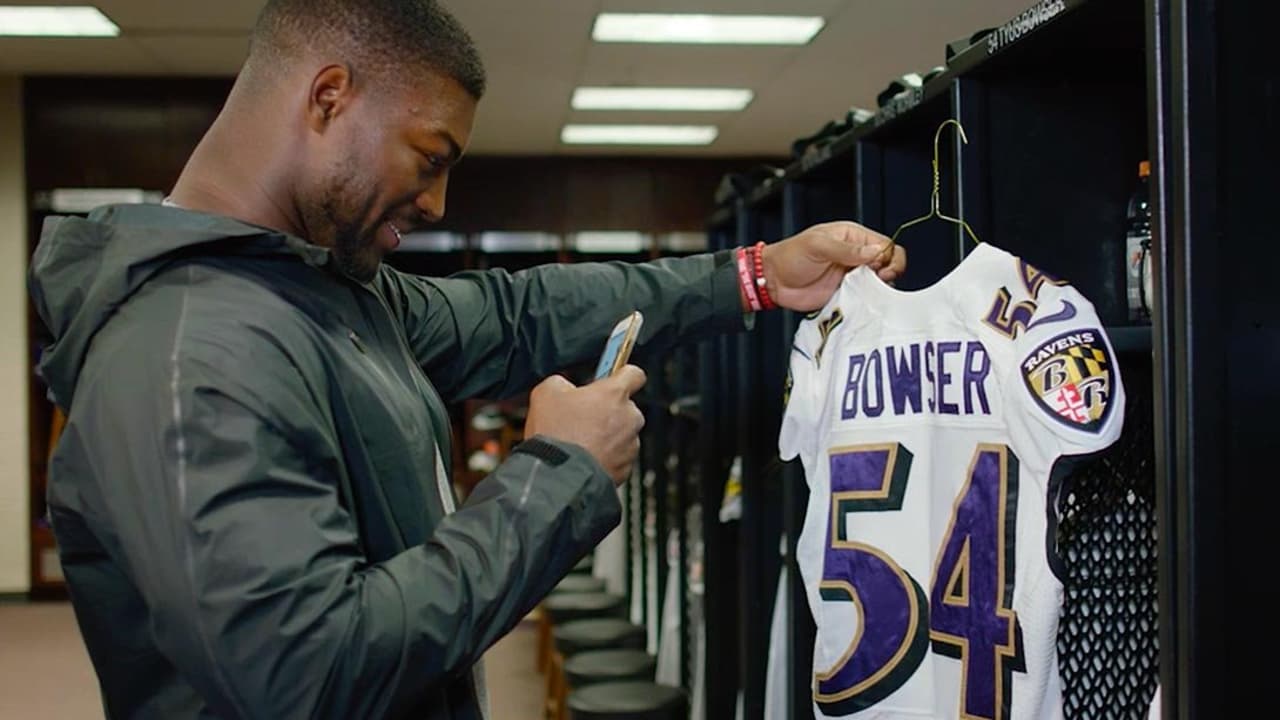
(1107, 641)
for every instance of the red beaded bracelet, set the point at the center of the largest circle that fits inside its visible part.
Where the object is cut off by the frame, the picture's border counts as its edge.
(762, 288)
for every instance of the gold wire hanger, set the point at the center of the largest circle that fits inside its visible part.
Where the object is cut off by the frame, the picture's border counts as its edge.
(935, 212)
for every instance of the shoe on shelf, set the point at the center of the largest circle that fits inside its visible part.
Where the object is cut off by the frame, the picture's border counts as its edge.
(488, 418)
(741, 184)
(956, 47)
(484, 460)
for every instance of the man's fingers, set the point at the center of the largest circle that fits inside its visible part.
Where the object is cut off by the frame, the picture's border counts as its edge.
(639, 418)
(854, 245)
(554, 384)
(631, 378)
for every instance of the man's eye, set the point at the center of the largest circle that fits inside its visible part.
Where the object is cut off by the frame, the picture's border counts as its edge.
(433, 166)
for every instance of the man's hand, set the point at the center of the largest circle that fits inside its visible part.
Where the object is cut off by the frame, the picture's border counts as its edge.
(600, 417)
(804, 271)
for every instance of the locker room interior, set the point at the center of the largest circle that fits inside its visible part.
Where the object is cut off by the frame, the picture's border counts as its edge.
(1123, 148)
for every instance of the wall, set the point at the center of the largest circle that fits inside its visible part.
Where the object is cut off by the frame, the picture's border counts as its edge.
(14, 507)
(137, 133)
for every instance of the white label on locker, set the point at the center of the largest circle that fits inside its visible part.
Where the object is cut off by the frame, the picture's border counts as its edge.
(1024, 23)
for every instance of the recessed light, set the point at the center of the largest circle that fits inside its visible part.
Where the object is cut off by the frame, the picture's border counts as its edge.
(55, 21)
(609, 242)
(706, 29)
(652, 98)
(638, 134)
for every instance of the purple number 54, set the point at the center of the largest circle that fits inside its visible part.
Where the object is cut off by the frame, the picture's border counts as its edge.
(968, 614)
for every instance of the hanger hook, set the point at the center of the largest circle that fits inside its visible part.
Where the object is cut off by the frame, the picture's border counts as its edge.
(937, 139)
(937, 183)
(938, 135)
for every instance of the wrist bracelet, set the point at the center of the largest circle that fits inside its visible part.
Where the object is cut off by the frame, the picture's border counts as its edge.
(746, 279)
(766, 301)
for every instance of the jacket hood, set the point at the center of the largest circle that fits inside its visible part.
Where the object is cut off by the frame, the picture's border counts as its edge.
(86, 267)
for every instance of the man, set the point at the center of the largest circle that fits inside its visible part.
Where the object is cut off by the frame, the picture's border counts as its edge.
(251, 496)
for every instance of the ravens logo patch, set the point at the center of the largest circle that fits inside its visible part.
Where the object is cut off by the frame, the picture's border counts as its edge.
(1070, 377)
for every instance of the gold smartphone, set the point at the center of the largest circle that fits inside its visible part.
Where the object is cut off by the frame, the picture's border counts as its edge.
(617, 349)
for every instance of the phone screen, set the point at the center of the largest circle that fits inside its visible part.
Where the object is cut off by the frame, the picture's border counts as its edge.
(610, 354)
(617, 349)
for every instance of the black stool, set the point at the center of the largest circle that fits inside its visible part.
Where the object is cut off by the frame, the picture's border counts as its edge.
(583, 567)
(580, 583)
(628, 701)
(559, 609)
(578, 636)
(569, 584)
(596, 666)
(568, 606)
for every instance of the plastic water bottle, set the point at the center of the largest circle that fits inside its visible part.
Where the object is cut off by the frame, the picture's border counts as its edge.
(1138, 248)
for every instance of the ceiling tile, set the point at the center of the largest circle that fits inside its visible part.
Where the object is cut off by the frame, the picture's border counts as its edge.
(174, 15)
(538, 51)
(823, 8)
(683, 65)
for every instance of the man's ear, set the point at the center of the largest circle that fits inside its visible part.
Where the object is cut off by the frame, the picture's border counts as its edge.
(330, 96)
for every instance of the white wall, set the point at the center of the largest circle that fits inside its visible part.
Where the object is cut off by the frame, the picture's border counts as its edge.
(15, 575)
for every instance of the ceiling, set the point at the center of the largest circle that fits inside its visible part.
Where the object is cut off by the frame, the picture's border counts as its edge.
(538, 51)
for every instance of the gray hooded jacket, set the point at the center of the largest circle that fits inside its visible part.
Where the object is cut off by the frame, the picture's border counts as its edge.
(250, 495)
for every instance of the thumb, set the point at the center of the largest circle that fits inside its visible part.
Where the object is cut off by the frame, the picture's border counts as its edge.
(853, 245)
(873, 248)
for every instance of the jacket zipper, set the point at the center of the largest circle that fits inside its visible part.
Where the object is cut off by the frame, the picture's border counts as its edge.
(430, 395)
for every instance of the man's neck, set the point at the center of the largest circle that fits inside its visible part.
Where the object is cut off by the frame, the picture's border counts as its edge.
(236, 171)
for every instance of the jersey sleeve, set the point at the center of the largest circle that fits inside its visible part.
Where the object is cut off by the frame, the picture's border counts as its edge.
(1066, 384)
(801, 407)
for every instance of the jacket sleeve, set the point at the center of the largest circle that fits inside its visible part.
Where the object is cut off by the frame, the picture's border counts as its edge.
(494, 334)
(257, 587)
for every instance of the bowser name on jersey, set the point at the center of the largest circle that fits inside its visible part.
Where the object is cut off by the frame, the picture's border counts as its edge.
(934, 378)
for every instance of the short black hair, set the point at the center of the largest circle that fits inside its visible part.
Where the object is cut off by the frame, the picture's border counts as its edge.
(378, 38)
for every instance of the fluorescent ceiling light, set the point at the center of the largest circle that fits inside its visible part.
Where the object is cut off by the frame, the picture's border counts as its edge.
(433, 242)
(641, 98)
(609, 242)
(683, 242)
(62, 21)
(82, 200)
(500, 242)
(706, 29)
(638, 134)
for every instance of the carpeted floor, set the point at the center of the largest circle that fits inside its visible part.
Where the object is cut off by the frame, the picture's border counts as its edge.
(45, 672)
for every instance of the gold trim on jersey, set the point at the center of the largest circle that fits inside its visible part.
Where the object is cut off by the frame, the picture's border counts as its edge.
(825, 328)
(957, 592)
(837, 540)
(907, 637)
(886, 484)
(1010, 648)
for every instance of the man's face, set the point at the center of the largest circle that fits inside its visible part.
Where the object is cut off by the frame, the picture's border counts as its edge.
(383, 169)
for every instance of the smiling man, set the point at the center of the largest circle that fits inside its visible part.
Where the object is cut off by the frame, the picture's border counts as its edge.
(251, 496)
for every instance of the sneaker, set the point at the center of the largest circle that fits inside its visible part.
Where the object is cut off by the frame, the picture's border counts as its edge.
(485, 460)
(899, 86)
(488, 418)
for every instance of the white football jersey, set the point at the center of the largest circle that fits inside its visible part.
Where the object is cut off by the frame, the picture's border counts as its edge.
(928, 423)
